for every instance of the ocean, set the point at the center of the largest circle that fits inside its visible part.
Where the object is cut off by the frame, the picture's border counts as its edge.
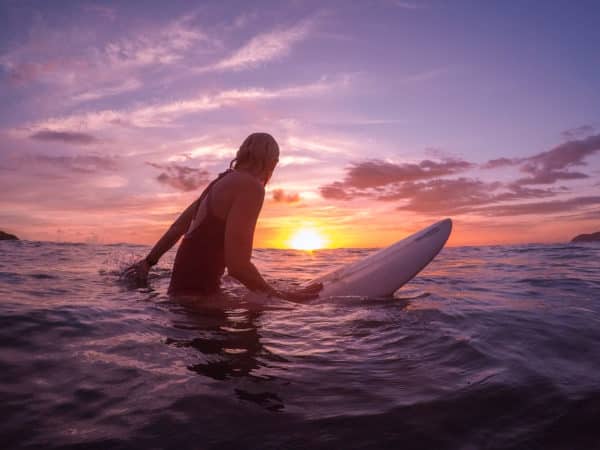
(494, 347)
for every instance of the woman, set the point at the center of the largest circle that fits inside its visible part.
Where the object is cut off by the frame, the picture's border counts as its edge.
(218, 229)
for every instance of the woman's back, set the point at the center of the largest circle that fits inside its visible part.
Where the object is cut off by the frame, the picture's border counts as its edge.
(200, 259)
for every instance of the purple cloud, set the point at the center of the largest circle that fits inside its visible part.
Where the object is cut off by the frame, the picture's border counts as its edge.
(77, 163)
(374, 173)
(182, 178)
(578, 132)
(500, 162)
(550, 207)
(553, 165)
(424, 188)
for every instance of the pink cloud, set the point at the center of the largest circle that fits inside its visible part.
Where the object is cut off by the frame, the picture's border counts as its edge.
(23, 73)
(164, 114)
(82, 64)
(263, 47)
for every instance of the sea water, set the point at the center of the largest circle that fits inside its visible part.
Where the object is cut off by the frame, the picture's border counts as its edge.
(489, 347)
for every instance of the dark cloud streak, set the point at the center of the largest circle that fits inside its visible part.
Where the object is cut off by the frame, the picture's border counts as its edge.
(375, 173)
(553, 165)
(68, 137)
(86, 164)
(182, 178)
(554, 206)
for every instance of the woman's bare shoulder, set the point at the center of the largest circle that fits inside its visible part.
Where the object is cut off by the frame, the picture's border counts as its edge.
(246, 183)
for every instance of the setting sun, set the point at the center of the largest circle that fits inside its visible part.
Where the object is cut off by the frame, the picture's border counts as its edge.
(307, 239)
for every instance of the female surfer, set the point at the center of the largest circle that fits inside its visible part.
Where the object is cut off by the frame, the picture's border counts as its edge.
(218, 229)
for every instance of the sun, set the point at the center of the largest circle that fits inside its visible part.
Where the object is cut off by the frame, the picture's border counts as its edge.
(307, 239)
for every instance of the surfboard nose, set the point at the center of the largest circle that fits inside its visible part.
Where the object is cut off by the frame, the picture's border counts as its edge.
(447, 222)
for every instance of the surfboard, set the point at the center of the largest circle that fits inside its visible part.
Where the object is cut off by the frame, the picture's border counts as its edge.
(387, 270)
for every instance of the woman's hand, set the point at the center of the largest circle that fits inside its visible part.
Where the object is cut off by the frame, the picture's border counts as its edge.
(137, 273)
(299, 295)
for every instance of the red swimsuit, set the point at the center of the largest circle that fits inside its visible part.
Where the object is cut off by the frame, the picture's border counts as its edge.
(200, 260)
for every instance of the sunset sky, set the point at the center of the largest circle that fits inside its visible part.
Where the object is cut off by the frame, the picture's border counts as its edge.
(390, 115)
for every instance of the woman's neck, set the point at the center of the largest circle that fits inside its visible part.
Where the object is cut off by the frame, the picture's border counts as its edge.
(259, 175)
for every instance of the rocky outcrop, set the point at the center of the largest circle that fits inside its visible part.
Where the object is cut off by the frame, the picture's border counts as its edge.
(7, 237)
(594, 237)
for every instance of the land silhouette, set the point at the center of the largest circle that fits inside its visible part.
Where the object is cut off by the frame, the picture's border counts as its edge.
(593, 237)
(7, 236)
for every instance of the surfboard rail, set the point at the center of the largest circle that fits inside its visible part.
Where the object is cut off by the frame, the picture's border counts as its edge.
(387, 270)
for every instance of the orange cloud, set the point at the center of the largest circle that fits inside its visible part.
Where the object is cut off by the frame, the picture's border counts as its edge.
(280, 196)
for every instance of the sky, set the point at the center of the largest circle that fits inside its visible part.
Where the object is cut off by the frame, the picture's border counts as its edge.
(390, 115)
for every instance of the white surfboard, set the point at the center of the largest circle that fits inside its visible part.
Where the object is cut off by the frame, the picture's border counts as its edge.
(384, 272)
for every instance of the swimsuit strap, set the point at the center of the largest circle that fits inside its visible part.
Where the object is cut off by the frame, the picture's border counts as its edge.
(209, 193)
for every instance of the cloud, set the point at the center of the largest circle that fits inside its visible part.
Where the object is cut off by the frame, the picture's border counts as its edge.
(425, 187)
(409, 5)
(500, 162)
(163, 114)
(319, 146)
(425, 75)
(459, 196)
(23, 73)
(182, 178)
(69, 137)
(280, 196)
(555, 206)
(553, 165)
(442, 196)
(85, 164)
(79, 62)
(338, 191)
(102, 11)
(578, 132)
(431, 194)
(376, 173)
(263, 48)
(107, 90)
(163, 46)
(288, 160)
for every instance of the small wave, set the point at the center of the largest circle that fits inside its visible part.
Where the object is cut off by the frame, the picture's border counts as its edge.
(11, 278)
(43, 276)
(553, 282)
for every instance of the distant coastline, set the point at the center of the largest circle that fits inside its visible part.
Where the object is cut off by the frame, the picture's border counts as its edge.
(593, 237)
(7, 236)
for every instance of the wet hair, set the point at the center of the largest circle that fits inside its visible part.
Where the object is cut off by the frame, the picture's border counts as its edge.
(255, 151)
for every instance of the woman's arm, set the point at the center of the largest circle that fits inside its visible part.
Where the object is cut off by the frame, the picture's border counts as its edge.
(139, 271)
(172, 235)
(239, 236)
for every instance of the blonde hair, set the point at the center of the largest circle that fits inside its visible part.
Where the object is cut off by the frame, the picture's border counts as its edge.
(256, 149)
